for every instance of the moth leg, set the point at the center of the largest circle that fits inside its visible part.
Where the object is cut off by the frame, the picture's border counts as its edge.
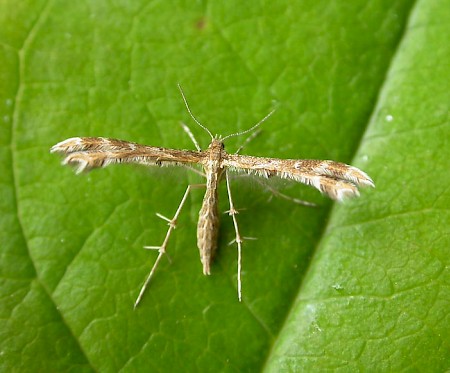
(162, 249)
(193, 169)
(247, 140)
(232, 212)
(278, 194)
(191, 136)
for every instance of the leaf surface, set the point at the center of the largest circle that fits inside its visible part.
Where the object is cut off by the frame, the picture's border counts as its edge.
(360, 285)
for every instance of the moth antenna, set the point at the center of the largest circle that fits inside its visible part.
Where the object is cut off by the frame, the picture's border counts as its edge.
(251, 128)
(247, 140)
(190, 112)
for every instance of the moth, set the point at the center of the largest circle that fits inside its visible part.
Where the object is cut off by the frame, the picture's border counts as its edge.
(334, 179)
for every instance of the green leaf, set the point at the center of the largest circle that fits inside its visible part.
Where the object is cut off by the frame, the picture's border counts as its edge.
(362, 285)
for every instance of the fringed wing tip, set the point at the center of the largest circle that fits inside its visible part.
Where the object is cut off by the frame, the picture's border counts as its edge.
(56, 148)
(67, 146)
(348, 188)
(70, 147)
(368, 183)
(344, 194)
(364, 180)
(79, 164)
